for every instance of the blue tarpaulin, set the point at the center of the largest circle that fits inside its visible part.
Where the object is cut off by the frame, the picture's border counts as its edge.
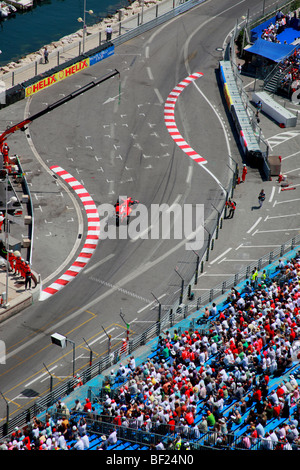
(257, 31)
(271, 50)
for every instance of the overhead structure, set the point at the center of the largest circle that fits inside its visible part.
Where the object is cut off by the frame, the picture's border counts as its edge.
(271, 50)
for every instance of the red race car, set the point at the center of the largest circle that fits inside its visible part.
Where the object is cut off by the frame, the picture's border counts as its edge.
(123, 209)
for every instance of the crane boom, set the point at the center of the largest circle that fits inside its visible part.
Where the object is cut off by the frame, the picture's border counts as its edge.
(21, 125)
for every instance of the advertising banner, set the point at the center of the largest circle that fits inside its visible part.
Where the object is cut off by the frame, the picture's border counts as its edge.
(57, 77)
(102, 55)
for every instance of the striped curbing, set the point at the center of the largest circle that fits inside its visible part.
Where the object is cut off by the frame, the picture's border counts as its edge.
(169, 116)
(91, 240)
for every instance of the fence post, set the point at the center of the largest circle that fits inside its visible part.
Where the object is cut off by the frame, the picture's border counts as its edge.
(171, 317)
(197, 269)
(293, 244)
(223, 286)
(158, 328)
(259, 264)
(271, 257)
(208, 245)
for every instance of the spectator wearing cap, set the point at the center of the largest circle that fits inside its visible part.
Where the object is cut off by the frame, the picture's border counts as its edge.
(104, 443)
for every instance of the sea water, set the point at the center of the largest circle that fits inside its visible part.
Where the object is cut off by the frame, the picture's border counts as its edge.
(47, 21)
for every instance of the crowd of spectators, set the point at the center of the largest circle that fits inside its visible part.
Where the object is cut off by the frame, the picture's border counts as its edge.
(248, 342)
(213, 379)
(273, 29)
(290, 69)
(290, 66)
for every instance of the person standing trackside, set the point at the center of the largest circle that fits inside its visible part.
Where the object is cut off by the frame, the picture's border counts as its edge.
(108, 32)
(46, 55)
(259, 106)
(245, 171)
(27, 276)
(231, 209)
(261, 197)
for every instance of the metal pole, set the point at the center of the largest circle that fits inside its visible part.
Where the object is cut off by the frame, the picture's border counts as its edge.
(159, 308)
(127, 324)
(182, 287)
(51, 378)
(73, 344)
(91, 352)
(84, 28)
(7, 414)
(6, 240)
(142, 16)
(197, 267)
(109, 339)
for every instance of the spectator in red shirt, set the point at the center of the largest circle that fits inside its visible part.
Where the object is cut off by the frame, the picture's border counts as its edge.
(257, 395)
(276, 411)
(280, 391)
(88, 405)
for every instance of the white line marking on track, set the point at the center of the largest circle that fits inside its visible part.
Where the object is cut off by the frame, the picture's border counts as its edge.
(256, 246)
(160, 98)
(292, 155)
(281, 216)
(291, 171)
(239, 260)
(272, 194)
(189, 175)
(254, 225)
(150, 75)
(100, 337)
(150, 304)
(141, 235)
(40, 376)
(285, 202)
(221, 256)
(279, 230)
(102, 261)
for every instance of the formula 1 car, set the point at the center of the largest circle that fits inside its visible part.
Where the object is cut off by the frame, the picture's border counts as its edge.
(123, 209)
